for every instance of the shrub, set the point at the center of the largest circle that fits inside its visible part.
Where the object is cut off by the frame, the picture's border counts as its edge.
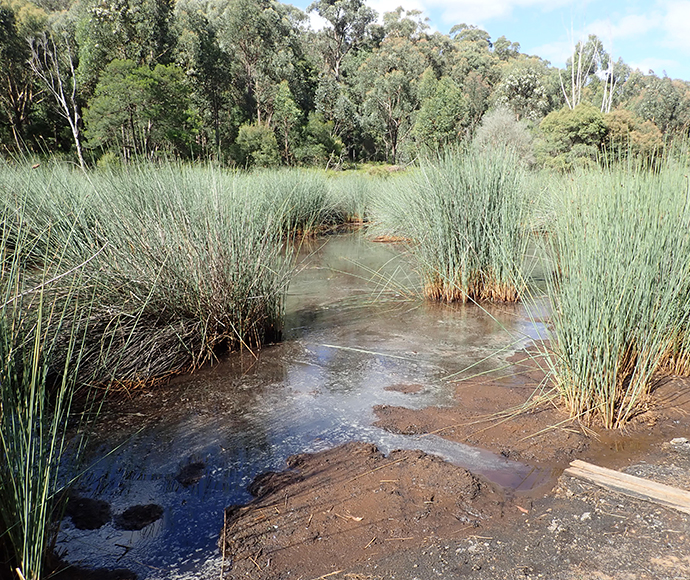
(257, 146)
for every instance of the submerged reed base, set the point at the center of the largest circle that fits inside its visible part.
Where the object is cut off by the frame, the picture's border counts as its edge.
(477, 291)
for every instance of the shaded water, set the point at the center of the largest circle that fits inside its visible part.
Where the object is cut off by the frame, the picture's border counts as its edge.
(349, 335)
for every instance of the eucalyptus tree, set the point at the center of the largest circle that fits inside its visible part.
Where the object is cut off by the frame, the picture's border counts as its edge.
(387, 83)
(348, 22)
(207, 69)
(19, 20)
(443, 113)
(506, 50)
(53, 62)
(521, 89)
(582, 66)
(473, 54)
(264, 36)
(662, 101)
(401, 23)
(286, 117)
(136, 30)
(141, 110)
(337, 104)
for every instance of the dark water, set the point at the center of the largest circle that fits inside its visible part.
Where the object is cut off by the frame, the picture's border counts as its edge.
(351, 331)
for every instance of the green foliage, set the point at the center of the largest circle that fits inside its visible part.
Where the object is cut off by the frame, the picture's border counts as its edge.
(664, 103)
(19, 21)
(387, 82)
(473, 46)
(257, 62)
(141, 111)
(286, 117)
(442, 116)
(506, 50)
(257, 146)
(319, 146)
(349, 21)
(571, 137)
(208, 72)
(136, 30)
(464, 216)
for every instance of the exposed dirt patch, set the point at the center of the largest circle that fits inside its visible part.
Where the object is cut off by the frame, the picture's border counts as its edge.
(349, 505)
(351, 513)
(407, 389)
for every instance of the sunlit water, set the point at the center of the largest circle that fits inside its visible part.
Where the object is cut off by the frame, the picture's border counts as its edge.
(351, 331)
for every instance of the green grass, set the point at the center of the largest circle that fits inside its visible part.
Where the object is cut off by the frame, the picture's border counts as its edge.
(353, 193)
(465, 218)
(184, 263)
(620, 240)
(36, 398)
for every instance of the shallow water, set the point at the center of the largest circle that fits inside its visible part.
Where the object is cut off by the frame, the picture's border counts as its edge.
(351, 331)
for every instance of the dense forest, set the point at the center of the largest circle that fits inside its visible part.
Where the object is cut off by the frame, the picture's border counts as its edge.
(249, 82)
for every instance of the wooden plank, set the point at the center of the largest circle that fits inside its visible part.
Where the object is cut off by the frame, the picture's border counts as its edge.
(666, 495)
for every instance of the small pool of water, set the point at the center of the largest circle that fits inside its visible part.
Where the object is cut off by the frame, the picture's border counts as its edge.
(350, 335)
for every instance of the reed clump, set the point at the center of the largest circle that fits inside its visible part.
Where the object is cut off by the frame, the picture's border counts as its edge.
(353, 193)
(300, 200)
(183, 262)
(620, 240)
(35, 397)
(464, 215)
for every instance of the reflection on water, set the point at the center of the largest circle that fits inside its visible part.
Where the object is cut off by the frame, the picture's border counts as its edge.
(348, 336)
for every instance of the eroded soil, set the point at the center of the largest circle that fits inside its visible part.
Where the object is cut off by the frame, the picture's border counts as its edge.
(349, 505)
(355, 514)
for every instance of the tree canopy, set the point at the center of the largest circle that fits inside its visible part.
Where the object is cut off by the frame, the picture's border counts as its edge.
(249, 82)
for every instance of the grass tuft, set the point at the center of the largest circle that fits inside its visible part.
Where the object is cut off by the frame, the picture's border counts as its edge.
(465, 216)
(621, 294)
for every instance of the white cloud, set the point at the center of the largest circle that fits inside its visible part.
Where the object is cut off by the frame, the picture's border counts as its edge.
(630, 26)
(658, 65)
(677, 25)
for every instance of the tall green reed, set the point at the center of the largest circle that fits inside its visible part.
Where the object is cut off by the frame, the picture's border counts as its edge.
(36, 397)
(620, 241)
(465, 218)
(352, 193)
(184, 262)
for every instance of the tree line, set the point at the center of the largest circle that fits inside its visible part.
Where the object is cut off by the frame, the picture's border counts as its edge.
(249, 82)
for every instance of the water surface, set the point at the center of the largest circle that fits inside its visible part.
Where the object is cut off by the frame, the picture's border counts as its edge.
(351, 332)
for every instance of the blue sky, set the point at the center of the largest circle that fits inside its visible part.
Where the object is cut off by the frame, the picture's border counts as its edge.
(647, 35)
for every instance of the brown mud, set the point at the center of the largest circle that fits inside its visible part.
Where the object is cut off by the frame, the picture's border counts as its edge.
(353, 513)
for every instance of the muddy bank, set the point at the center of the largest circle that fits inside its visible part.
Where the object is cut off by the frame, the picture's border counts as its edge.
(542, 436)
(576, 532)
(351, 504)
(355, 514)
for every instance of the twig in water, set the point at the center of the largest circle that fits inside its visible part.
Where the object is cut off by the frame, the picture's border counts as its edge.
(222, 559)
